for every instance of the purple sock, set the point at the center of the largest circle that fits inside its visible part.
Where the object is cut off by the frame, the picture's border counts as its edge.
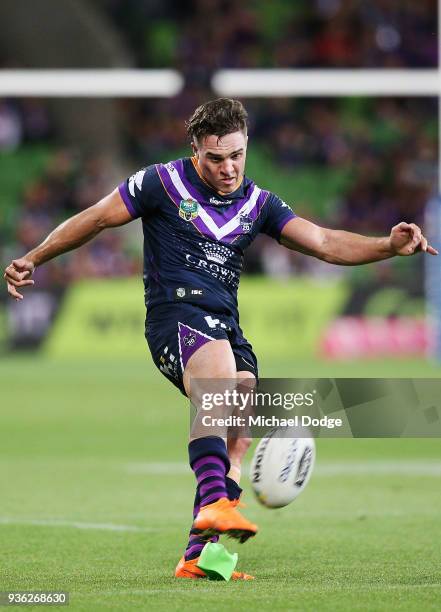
(195, 542)
(209, 461)
(210, 474)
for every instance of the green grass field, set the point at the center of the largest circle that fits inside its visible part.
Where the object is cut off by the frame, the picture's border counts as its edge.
(96, 500)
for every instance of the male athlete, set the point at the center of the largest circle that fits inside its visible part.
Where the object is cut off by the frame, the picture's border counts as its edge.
(199, 214)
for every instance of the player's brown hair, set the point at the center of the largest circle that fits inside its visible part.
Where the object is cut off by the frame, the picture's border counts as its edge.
(219, 117)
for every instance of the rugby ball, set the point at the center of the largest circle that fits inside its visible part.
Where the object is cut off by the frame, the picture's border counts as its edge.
(281, 467)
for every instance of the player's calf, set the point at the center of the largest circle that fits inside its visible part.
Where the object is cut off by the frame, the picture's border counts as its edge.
(237, 448)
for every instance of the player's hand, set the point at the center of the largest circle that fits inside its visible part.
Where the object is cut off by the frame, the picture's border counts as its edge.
(18, 274)
(407, 239)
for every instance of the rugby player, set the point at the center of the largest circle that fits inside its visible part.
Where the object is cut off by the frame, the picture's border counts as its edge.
(199, 214)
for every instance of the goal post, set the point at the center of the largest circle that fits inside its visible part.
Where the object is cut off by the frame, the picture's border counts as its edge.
(433, 276)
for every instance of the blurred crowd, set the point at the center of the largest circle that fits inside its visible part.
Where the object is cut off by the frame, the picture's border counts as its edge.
(70, 182)
(199, 36)
(23, 121)
(388, 146)
(382, 151)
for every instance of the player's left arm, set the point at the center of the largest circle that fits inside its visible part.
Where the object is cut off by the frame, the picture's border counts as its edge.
(349, 249)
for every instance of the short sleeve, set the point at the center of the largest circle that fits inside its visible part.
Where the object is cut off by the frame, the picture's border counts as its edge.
(277, 215)
(139, 192)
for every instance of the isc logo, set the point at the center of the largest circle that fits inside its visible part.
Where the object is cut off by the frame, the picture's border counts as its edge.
(182, 292)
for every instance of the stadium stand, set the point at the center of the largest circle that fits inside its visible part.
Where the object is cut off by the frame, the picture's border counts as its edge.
(200, 35)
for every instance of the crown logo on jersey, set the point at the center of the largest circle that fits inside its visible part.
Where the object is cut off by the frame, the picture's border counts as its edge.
(188, 209)
(216, 252)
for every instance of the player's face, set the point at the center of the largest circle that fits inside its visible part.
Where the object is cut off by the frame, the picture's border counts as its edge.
(222, 160)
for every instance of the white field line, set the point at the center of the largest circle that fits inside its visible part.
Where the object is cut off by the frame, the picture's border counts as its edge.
(74, 524)
(310, 514)
(329, 469)
(315, 588)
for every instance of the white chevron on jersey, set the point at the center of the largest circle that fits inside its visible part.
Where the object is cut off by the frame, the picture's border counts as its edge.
(231, 225)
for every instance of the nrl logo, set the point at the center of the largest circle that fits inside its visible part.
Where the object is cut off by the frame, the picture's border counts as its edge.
(188, 209)
(246, 222)
(180, 292)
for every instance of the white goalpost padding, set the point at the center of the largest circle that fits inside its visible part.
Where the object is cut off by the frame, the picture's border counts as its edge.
(329, 82)
(110, 83)
(244, 83)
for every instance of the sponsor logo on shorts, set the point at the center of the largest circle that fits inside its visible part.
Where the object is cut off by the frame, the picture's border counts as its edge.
(168, 364)
(215, 323)
(182, 292)
(188, 209)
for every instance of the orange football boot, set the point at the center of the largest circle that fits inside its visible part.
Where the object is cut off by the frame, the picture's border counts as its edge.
(221, 517)
(189, 569)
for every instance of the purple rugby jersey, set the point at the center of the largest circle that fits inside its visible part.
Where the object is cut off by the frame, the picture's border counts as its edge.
(194, 238)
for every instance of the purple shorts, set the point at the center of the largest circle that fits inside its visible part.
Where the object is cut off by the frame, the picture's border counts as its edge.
(174, 332)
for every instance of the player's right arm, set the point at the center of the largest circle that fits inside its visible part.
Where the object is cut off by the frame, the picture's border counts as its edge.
(111, 211)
